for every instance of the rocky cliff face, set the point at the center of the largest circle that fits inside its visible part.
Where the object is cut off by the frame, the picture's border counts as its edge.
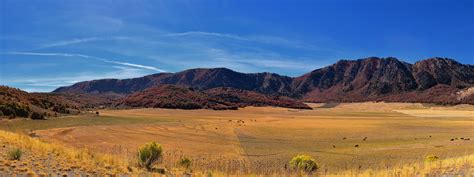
(431, 72)
(371, 76)
(386, 79)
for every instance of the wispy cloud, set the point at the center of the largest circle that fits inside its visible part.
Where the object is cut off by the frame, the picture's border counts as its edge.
(89, 57)
(81, 40)
(247, 51)
(202, 33)
(264, 39)
(69, 42)
(132, 65)
(264, 61)
(259, 60)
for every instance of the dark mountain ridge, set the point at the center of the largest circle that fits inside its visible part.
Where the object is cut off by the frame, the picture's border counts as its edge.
(435, 80)
(221, 98)
(200, 78)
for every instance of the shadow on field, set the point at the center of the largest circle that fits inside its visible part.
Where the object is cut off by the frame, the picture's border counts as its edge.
(329, 105)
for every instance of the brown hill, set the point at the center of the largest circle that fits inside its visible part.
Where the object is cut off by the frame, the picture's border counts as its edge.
(242, 98)
(168, 96)
(91, 100)
(435, 80)
(18, 103)
(180, 97)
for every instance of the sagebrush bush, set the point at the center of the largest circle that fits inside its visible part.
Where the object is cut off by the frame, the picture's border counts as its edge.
(185, 163)
(304, 163)
(149, 155)
(15, 154)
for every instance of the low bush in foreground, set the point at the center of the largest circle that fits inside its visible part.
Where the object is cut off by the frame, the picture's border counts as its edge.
(149, 155)
(304, 163)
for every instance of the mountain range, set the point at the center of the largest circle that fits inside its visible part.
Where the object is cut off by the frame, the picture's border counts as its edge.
(434, 80)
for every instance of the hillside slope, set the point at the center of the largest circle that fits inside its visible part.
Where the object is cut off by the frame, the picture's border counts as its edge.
(18, 103)
(179, 97)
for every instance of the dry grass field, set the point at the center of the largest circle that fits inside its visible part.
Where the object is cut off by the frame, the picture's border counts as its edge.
(37, 158)
(261, 140)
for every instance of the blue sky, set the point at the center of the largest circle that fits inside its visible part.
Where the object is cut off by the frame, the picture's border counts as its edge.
(45, 44)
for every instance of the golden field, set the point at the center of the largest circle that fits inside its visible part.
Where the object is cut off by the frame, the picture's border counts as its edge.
(392, 138)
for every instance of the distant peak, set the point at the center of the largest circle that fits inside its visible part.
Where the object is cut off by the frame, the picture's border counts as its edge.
(441, 59)
(369, 58)
(208, 69)
(223, 69)
(373, 58)
(438, 61)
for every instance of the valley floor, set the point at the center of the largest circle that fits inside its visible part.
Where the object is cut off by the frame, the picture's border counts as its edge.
(343, 138)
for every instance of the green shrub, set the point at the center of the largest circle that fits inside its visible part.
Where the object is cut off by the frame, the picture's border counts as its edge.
(304, 163)
(13, 110)
(431, 158)
(15, 154)
(61, 109)
(36, 116)
(149, 155)
(185, 163)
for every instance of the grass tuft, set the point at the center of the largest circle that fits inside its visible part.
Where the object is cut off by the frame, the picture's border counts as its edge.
(15, 154)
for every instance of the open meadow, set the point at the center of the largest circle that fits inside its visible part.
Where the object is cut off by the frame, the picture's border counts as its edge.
(343, 138)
